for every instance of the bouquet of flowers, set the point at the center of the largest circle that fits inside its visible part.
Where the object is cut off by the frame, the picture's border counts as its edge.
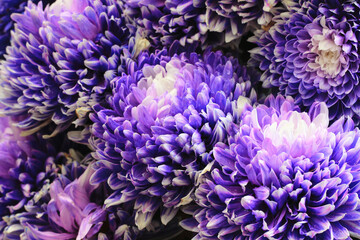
(178, 119)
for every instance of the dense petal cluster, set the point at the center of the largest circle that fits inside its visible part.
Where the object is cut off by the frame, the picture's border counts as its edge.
(312, 53)
(118, 118)
(8, 7)
(230, 18)
(283, 175)
(160, 125)
(28, 166)
(162, 22)
(212, 23)
(61, 60)
(74, 211)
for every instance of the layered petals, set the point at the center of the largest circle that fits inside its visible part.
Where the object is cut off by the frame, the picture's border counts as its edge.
(160, 126)
(60, 62)
(284, 174)
(310, 52)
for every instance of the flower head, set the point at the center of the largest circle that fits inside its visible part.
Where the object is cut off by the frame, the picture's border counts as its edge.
(61, 60)
(311, 53)
(160, 125)
(284, 174)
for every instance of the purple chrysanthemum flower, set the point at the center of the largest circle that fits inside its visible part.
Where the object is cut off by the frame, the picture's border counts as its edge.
(160, 125)
(61, 60)
(28, 166)
(284, 174)
(311, 53)
(70, 212)
(8, 7)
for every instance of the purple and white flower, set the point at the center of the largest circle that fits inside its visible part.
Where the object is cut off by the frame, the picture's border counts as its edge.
(61, 60)
(312, 53)
(160, 126)
(284, 174)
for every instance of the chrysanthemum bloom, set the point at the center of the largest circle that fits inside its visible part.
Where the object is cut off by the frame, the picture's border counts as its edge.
(60, 61)
(311, 53)
(284, 174)
(28, 166)
(8, 7)
(160, 125)
(70, 212)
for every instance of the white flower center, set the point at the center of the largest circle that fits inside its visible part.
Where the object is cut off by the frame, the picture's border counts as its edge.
(159, 81)
(60, 6)
(297, 135)
(159, 86)
(328, 53)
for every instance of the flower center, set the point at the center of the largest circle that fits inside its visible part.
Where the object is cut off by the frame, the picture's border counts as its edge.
(60, 6)
(328, 53)
(296, 135)
(159, 81)
(158, 86)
